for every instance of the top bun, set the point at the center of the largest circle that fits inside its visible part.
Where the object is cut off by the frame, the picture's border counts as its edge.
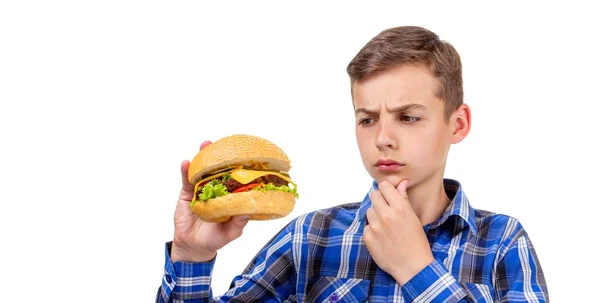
(237, 150)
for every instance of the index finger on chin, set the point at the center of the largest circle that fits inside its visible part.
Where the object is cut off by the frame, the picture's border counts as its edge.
(391, 194)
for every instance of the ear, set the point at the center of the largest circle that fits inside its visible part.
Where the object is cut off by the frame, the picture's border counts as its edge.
(460, 123)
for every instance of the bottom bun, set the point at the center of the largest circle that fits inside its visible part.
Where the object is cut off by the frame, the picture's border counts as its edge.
(259, 205)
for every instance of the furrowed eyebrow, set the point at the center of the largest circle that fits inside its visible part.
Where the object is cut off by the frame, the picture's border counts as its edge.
(364, 111)
(403, 108)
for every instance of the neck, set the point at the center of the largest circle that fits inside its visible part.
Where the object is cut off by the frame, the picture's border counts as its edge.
(429, 200)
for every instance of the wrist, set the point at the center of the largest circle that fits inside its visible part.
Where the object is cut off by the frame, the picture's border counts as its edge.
(403, 275)
(180, 253)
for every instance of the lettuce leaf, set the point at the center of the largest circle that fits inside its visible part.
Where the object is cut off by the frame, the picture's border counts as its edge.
(213, 189)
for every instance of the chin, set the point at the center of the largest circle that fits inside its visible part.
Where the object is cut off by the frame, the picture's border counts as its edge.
(392, 179)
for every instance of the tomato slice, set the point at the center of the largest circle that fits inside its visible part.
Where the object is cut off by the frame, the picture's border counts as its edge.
(246, 187)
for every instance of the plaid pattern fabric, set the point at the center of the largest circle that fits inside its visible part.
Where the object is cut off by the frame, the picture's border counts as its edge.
(320, 257)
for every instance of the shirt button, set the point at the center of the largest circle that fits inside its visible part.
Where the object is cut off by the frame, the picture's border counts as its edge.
(168, 278)
(333, 299)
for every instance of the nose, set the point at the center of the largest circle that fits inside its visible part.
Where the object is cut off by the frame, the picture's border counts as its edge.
(385, 138)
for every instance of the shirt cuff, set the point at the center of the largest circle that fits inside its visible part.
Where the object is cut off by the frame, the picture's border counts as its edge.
(433, 284)
(186, 280)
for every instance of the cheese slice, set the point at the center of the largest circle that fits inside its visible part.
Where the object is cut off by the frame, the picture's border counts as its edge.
(246, 176)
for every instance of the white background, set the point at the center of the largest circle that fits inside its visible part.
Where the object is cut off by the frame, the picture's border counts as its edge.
(101, 101)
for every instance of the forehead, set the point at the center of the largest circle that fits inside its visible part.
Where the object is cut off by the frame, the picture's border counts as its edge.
(397, 86)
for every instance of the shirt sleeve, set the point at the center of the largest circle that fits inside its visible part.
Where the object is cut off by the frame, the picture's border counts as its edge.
(270, 277)
(519, 278)
(186, 281)
(434, 283)
(519, 275)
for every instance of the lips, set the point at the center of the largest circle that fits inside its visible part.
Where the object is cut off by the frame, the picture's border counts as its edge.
(387, 165)
(387, 162)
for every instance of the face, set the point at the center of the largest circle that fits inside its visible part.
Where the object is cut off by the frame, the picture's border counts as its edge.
(400, 126)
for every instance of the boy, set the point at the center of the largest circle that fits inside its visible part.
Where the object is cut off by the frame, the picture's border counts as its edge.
(413, 238)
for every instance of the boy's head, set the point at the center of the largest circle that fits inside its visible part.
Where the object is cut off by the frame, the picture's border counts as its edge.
(408, 98)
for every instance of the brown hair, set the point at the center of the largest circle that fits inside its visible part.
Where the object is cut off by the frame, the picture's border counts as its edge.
(412, 45)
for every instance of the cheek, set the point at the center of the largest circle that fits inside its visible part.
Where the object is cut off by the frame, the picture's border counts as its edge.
(366, 146)
(427, 146)
(363, 139)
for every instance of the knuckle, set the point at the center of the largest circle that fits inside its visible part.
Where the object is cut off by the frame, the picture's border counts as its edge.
(376, 229)
(367, 236)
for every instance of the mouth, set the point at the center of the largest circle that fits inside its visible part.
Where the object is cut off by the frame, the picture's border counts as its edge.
(386, 165)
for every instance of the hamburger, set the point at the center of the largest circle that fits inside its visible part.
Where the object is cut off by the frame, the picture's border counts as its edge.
(241, 175)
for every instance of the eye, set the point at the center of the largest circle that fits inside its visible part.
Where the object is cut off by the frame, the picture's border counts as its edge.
(366, 121)
(409, 119)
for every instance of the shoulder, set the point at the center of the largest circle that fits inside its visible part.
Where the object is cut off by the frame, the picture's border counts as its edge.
(503, 229)
(497, 222)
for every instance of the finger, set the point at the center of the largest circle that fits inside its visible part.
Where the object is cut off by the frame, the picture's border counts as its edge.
(378, 202)
(402, 188)
(233, 228)
(186, 186)
(372, 216)
(392, 195)
(205, 144)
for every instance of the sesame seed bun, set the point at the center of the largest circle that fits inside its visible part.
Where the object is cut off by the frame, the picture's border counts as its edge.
(237, 150)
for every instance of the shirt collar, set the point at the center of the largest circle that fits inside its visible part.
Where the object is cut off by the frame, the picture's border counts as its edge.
(459, 206)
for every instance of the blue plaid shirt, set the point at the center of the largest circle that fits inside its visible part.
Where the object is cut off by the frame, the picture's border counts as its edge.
(320, 257)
